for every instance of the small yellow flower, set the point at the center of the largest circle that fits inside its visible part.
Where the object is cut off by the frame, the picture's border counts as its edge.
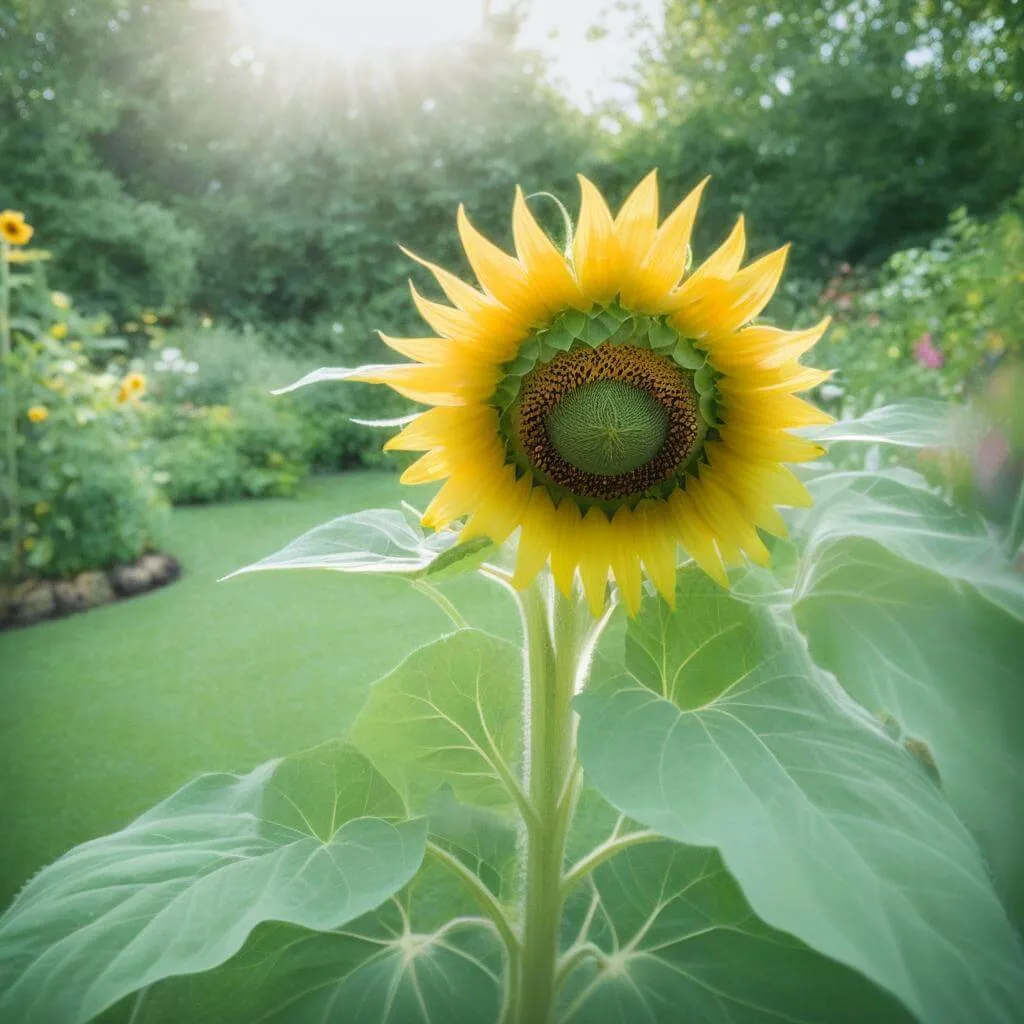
(275, 459)
(893, 351)
(28, 543)
(59, 300)
(150, 318)
(38, 414)
(75, 346)
(974, 298)
(59, 331)
(131, 326)
(41, 508)
(13, 228)
(132, 387)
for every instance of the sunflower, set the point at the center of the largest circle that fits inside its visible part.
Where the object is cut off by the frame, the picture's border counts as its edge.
(132, 387)
(13, 228)
(608, 403)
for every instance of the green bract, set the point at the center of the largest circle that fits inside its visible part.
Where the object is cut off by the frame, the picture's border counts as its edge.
(797, 800)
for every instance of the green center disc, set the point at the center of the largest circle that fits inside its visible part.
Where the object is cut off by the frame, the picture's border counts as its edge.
(607, 428)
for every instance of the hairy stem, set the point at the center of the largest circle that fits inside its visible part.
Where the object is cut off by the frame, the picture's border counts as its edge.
(555, 638)
(442, 602)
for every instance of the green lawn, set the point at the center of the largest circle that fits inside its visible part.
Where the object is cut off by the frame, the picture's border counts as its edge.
(105, 713)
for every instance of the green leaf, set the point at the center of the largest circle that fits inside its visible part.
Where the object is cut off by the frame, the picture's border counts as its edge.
(897, 509)
(378, 540)
(179, 890)
(920, 423)
(722, 732)
(460, 559)
(398, 965)
(450, 713)
(944, 663)
(679, 942)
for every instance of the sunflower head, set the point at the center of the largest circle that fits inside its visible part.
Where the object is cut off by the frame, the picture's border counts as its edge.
(132, 387)
(607, 402)
(13, 228)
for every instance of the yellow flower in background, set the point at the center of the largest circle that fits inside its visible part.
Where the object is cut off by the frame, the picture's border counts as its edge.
(75, 346)
(41, 508)
(131, 326)
(132, 387)
(893, 351)
(28, 543)
(149, 318)
(38, 414)
(605, 403)
(59, 300)
(13, 228)
(59, 331)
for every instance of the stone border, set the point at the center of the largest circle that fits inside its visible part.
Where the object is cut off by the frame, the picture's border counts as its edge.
(32, 601)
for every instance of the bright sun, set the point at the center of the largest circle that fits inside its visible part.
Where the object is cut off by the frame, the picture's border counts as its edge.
(354, 29)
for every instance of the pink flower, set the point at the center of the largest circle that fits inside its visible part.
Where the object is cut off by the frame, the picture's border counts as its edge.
(926, 353)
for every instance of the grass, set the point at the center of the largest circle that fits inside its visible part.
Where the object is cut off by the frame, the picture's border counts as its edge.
(106, 713)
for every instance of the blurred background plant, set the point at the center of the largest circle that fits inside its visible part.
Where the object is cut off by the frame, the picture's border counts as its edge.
(87, 496)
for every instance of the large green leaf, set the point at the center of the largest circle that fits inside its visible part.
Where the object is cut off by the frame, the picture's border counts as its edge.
(897, 509)
(180, 889)
(450, 713)
(919, 423)
(945, 663)
(680, 943)
(721, 732)
(420, 959)
(378, 540)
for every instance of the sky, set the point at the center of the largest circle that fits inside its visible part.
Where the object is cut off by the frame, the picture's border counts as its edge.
(589, 70)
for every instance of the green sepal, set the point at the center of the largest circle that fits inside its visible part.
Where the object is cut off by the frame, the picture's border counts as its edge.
(558, 337)
(661, 335)
(573, 321)
(709, 409)
(704, 378)
(687, 356)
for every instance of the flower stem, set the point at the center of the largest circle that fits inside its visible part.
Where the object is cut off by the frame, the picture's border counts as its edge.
(555, 638)
(10, 414)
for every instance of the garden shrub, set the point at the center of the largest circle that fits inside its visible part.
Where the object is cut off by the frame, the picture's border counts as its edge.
(933, 322)
(87, 498)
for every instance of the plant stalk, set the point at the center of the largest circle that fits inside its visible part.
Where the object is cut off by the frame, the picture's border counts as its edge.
(555, 638)
(10, 413)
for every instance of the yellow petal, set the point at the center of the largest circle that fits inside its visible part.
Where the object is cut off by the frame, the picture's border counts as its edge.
(443, 426)
(772, 409)
(565, 553)
(457, 325)
(502, 275)
(765, 347)
(595, 544)
(427, 468)
(626, 558)
(665, 262)
(778, 380)
(595, 247)
(749, 291)
(501, 509)
(433, 385)
(453, 501)
(551, 278)
(658, 547)
(536, 538)
(423, 350)
(696, 536)
(767, 444)
(635, 228)
(483, 309)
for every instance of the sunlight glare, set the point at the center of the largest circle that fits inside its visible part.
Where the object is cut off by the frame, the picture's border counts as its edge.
(356, 29)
